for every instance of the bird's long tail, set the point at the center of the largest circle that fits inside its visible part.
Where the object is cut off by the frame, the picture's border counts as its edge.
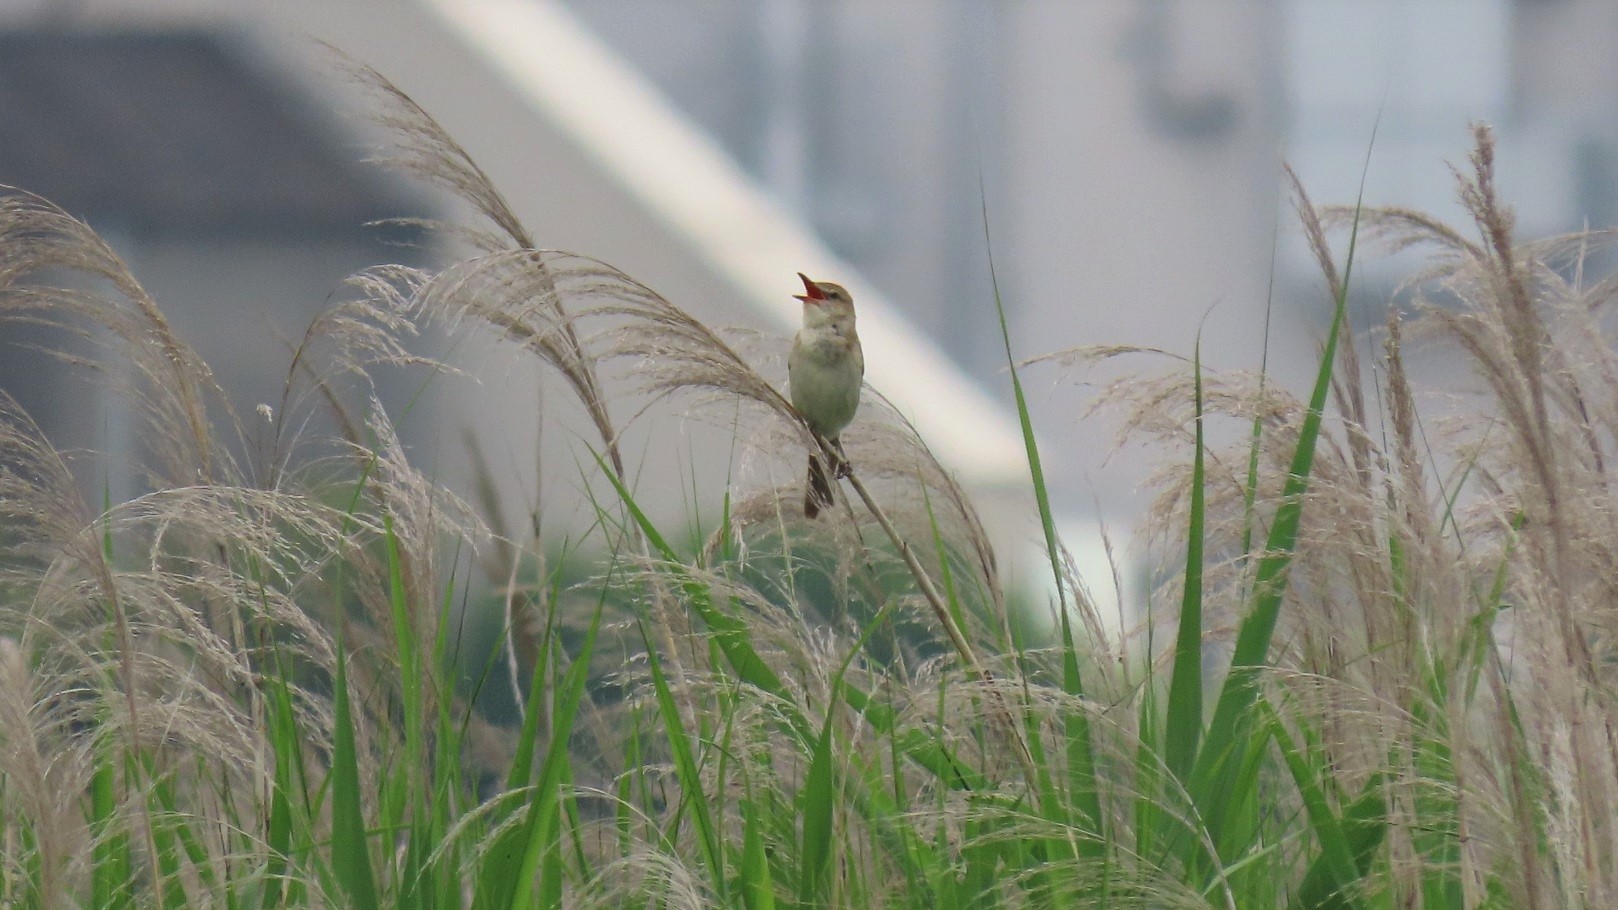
(817, 492)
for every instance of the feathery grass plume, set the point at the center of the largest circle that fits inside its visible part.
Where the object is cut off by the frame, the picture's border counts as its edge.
(924, 490)
(421, 147)
(43, 773)
(277, 558)
(1448, 619)
(1156, 405)
(420, 531)
(346, 340)
(425, 522)
(151, 634)
(506, 288)
(38, 243)
(125, 665)
(516, 293)
(513, 292)
(649, 878)
(1542, 523)
(41, 510)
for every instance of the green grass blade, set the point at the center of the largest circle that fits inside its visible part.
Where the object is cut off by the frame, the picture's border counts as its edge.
(1232, 730)
(1083, 786)
(110, 855)
(758, 885)
(167, 842)
(1437, 837)
(1081, 770)
(817, 799)
(1339, 866)
(917, 746)
(685, 765)
(1152, 822)
(110, 867)
(179, 831)
(441, 877)
(351, 843)
(1184, 724)
(1258, 627)
(728, 632)
(1025, 421)
(408, 809)
(286, 746)
(1364, 826)
(541, 842)
(522, 764)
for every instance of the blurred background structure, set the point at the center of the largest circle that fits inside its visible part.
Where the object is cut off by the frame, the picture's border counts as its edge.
(1121, 156)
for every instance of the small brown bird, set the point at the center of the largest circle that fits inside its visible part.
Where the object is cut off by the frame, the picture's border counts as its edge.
(826, 369)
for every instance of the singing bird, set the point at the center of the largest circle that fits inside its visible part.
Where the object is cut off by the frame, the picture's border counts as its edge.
(826, 369)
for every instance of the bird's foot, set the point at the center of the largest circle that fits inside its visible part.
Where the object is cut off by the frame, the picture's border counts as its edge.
(841, 470)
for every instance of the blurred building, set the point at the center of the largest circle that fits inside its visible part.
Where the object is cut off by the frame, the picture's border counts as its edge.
(1121, 157)
(223, 184)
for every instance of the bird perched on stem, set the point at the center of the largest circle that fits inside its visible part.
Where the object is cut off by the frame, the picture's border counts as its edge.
(826, 370)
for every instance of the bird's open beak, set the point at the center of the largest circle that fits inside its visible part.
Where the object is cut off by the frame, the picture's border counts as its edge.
(811, 291)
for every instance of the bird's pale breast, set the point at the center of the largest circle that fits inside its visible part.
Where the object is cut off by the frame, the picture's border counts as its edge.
(825, 383)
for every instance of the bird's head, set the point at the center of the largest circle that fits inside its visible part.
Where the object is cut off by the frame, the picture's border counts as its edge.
(825, 303)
